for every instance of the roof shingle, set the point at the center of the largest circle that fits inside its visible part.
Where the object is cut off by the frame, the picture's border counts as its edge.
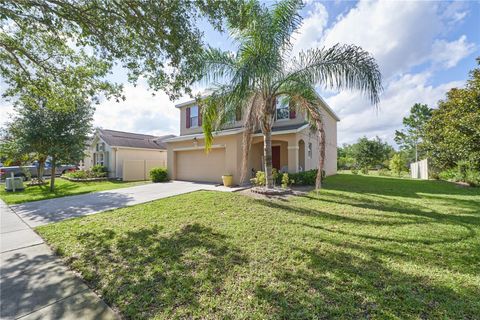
(133, 140)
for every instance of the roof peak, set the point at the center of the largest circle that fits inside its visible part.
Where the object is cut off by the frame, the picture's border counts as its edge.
(130, 139)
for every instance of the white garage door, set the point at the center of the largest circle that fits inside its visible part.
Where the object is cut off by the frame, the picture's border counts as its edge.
(196, 165)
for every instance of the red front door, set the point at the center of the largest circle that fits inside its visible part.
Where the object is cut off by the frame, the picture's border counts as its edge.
(276, 157)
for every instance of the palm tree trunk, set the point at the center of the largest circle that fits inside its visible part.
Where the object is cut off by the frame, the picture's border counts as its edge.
(52, 176)
(267, 154)
(321, 158)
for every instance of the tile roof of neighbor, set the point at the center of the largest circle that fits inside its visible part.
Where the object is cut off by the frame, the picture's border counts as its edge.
(133, 140)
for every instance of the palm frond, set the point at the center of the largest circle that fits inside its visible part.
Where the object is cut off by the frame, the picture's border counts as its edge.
(217, 65)
(285, 20)
(218, 108)
(339, 67)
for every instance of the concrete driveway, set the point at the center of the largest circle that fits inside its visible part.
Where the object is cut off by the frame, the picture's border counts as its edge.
(47, 211)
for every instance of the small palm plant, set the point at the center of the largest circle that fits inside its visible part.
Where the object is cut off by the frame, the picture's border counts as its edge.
(263, 70)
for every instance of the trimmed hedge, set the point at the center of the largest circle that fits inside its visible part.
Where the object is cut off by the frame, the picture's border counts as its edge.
(158, 175)
(86, 174)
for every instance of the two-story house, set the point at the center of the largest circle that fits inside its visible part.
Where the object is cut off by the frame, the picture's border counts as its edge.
(294, 146)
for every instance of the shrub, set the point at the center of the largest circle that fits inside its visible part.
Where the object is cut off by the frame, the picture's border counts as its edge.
(354, 170)
(79, 174)
(383, 172)
(158, 175)
(305, 178)
(99, 170)
(464, 172)
(285, 180)
(85, 174)
(364, 170)
(276, 176)
(259, 179)
(397, 164)
(449, 174)
(472, 177)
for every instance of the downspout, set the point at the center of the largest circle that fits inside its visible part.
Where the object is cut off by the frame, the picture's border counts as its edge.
(115, 162)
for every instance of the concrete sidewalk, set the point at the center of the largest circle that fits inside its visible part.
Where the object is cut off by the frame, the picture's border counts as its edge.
(34, 283)
(52, 210)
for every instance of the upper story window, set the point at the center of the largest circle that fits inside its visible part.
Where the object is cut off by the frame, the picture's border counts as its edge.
(100, 146)
(283, 110)
(231, 118)
(194, 117)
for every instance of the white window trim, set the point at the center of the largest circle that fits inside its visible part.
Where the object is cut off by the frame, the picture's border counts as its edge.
(283, 107)
(193, 117)
(97, 160)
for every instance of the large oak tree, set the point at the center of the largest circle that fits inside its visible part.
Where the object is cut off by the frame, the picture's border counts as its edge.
(158, 40)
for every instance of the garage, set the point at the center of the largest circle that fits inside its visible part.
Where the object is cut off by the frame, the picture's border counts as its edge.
(196, 165)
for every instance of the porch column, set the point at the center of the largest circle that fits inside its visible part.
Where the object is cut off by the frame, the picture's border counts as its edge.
(293, 159)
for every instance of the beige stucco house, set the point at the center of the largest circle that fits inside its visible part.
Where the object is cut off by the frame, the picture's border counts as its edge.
(294, 146)
(128, 156)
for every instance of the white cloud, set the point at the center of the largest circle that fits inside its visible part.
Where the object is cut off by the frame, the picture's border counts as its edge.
(401, 35)
(455, 11)
(448, 54)
(141, 112)
(312, 27)
(359, 118)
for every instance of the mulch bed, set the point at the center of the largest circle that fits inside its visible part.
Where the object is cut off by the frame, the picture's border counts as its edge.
(270, 191)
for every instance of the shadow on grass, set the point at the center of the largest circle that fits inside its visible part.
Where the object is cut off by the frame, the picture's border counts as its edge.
(395, 187)
(398, 207)
(145, 273)
(341, 285)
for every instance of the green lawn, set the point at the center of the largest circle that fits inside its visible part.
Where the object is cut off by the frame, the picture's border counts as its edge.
(364, 247)
(62, 188)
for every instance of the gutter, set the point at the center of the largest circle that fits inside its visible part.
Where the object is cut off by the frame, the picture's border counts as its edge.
(232, 132)
(133, 148)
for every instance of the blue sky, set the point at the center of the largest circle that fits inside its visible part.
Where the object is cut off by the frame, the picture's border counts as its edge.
(423, 48)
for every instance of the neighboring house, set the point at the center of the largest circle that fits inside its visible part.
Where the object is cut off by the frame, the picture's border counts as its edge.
(128, 156)
(294, 146)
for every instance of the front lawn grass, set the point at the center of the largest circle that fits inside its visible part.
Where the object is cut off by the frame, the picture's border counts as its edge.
(363, 247)
(62, 188)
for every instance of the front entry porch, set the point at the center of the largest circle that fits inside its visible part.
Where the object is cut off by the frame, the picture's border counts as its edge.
(288, 155)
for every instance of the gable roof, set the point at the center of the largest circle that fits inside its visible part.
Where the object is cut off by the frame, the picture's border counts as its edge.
(133, 140)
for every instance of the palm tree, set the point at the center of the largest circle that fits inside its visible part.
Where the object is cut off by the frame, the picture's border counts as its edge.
(263, 70)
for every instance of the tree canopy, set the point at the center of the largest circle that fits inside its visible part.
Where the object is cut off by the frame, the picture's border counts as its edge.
(158, 40)
(365, 153)
(410, 138)
(60, 134)
(453, 133)
(370, 153)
